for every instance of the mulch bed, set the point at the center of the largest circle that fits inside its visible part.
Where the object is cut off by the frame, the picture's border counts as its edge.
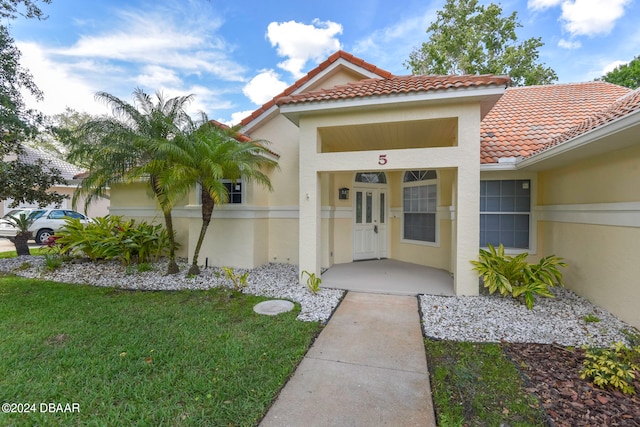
(552, 373)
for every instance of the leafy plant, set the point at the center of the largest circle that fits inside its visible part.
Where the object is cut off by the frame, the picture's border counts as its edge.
(313, 281)
(239, 281)
(111, 237)
(612, 367)
(591, 318)
(516, 277)
(52, 262)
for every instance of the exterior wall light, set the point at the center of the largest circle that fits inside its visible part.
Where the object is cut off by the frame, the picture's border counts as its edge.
(343, 193)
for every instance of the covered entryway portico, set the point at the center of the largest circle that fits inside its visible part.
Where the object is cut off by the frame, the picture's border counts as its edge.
(430, 130)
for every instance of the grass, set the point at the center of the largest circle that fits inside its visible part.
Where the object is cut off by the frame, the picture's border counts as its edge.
(477, 385)
(34, 251)
(143, 358)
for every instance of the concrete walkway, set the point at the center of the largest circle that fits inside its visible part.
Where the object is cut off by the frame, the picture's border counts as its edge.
(366, 368)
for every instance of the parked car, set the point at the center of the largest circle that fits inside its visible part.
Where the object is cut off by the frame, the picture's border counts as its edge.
(45, 222)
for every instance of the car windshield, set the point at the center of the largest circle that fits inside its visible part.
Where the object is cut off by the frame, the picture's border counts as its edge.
(31, 214)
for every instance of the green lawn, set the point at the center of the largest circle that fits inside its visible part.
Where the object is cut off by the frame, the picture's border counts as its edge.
(477, 385)
(34, 251)
(143, 358)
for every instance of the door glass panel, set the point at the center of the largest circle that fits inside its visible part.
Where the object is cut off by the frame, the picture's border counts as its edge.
(359, 207)
(382, 218)
(369, 207)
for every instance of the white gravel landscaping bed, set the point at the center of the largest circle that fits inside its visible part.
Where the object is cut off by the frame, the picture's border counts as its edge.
(492, 318)
(486, 318)
(270, 280)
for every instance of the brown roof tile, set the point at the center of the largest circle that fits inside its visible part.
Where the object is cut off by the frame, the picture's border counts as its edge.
(625, 105)
(394, 85)
(527, 119)
(310, 75)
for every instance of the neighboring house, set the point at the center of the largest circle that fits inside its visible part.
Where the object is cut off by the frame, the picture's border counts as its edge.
(72, 175)
(428, 169)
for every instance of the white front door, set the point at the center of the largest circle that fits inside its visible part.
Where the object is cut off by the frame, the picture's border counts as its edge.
(370, 233)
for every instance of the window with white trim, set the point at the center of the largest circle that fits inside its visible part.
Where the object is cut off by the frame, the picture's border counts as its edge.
(419, 205)
(505, 212)
(234, 191)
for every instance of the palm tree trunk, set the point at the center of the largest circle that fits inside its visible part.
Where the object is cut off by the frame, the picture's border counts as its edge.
(20, 242)
(173, 267)
(207, 210)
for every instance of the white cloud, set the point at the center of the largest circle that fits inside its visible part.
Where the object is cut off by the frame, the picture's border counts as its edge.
(569, 44)
(612, 66)
(154, 38)
(591, 17)
(61, 85)
(236, 117)
(543, 4)
(160, 49)
(585, 17)
(264, 86)
(300, 43)
(156, 76)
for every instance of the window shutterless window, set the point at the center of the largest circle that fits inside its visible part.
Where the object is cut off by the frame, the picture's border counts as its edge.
(419, 204)
(505, 212)
(234, 191)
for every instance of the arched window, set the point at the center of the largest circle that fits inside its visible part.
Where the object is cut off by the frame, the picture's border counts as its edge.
(419, 203)
(371, 177)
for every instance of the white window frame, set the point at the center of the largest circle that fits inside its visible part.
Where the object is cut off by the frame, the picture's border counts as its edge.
(420, 183)
(240, 182)
(530, 213)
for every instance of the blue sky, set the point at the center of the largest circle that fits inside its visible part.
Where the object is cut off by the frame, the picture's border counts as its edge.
(235, 55)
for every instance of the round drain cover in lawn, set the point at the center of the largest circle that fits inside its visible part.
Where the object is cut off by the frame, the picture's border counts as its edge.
(273, 307)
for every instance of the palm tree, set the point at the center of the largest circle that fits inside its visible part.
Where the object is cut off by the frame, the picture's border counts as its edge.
(124, 148)
(211, 153)
(22, 223)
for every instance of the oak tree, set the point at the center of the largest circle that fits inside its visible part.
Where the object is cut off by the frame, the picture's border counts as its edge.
(469, 38)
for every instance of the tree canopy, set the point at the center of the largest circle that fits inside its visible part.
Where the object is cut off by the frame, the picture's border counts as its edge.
(627, 75)
(468, 38)
(20, 181)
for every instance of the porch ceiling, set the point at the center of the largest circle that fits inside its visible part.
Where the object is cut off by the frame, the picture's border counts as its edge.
(391, 135)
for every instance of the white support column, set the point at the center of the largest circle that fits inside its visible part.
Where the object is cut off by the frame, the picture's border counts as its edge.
(467, 234)
(310, 204)
(467, 231)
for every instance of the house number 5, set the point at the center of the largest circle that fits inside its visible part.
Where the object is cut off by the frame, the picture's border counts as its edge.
(382, 160)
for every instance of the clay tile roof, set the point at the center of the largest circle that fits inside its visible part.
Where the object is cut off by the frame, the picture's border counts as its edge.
(625, 105)
(310, 75)
(527, 119)
(395, 85)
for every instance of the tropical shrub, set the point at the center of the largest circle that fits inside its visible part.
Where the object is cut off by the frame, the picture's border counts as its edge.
(313, 281)
(613, 367)
(239, 281)
(516, 277)
(111, 237)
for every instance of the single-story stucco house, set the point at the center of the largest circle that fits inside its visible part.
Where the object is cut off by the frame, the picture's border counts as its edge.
(427, 170)
(72, 176)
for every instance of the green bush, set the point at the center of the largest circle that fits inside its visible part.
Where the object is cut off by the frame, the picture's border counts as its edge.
(516, 277)
(111, 237)
(612, 367)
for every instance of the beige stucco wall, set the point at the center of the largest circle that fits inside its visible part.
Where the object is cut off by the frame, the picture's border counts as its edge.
(587, 212)
(612, 177)
(463, 159)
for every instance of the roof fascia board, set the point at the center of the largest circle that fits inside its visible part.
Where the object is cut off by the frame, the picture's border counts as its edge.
(589, 137)
(293, 111)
